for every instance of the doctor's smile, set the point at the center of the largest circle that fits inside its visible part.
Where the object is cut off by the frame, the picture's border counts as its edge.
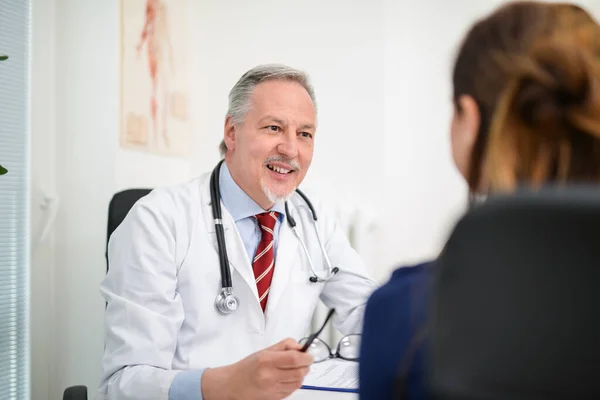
(282, 171)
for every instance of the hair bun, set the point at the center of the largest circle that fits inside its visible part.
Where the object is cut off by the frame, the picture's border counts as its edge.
(552, 82)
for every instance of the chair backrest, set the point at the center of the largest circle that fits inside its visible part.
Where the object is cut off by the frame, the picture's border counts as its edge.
(516, 310)
(118, 208)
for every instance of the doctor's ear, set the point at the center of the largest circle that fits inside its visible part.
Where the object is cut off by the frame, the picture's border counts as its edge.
(229, 133)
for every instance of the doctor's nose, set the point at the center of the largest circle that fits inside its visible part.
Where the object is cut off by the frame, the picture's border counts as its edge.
(288, 147)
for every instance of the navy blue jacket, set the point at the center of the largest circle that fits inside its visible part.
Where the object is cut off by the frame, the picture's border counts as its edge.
(394, 339)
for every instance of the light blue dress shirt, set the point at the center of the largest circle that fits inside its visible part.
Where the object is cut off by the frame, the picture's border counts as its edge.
(187, 384)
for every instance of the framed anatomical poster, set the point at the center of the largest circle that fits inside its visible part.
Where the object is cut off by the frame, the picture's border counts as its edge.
(154, 104)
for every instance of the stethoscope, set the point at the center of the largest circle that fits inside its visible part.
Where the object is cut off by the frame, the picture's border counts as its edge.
(227, 302)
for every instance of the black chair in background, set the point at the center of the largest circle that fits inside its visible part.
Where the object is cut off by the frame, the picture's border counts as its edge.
(119, 206)
(75, 393)
(517, 309)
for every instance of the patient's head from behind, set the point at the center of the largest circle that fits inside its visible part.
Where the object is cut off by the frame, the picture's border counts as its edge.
(527, 98)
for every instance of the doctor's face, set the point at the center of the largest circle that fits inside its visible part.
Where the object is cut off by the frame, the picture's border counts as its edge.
(271, 150)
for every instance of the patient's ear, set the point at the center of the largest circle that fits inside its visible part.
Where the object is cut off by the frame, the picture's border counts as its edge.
(464, 131)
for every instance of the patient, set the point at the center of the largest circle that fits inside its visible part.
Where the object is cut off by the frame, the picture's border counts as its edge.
(527, 112)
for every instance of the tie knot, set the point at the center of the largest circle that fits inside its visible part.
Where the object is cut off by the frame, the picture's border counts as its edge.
(266, 221)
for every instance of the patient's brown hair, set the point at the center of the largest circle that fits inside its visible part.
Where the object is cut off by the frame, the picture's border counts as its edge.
(533, 69)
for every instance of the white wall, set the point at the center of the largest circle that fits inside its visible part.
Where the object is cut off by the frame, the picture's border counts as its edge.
(43, 173)
(86, 104)
(424, 193)
(381, 72)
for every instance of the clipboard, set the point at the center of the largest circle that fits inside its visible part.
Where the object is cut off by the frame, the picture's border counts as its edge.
(332, 375)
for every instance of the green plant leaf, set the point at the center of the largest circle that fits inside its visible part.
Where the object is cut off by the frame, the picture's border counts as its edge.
(2, 170)
(2, 58)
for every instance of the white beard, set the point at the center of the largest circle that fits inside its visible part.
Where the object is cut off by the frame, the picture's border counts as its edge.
(274, 198)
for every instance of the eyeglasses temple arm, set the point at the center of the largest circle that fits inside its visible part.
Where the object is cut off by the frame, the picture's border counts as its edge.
(312, 337)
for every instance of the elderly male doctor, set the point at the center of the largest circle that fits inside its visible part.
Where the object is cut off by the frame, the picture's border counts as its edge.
(165, 337)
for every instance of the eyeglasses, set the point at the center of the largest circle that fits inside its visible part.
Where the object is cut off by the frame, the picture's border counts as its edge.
(347, 349)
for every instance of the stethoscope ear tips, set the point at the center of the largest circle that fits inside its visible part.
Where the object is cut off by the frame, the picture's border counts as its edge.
(335, 270)
(313, 279)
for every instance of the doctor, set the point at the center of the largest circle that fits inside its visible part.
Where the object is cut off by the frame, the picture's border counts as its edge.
(203, 296)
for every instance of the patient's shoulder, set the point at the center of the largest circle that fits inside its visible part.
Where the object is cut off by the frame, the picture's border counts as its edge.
(409, 275)
(405, 283)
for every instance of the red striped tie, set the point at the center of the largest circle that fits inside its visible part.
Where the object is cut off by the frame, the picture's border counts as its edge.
(264, 261)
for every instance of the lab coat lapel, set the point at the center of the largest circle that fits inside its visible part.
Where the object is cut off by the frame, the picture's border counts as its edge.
(236, 252)
(285, 262)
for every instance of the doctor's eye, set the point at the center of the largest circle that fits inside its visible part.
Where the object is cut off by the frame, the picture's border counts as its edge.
(273, 128)
(307, 135)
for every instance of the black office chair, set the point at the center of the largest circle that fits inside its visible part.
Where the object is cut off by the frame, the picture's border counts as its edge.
(75, 393)
(516, 313)
(118, 208)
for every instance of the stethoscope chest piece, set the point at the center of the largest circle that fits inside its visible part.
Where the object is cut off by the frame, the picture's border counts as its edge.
(226, 302)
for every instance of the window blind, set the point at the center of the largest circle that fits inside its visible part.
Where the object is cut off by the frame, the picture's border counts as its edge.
(14, 199)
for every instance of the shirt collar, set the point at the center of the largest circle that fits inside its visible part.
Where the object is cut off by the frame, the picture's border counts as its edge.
(237, 202)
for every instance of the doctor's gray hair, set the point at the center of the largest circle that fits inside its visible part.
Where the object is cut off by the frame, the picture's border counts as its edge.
(239, 96)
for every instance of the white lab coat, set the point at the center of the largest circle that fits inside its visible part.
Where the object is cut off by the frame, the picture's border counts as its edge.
(164, 276)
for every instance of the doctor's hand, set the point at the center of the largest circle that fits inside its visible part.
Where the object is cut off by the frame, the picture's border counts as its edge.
(270, 374)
